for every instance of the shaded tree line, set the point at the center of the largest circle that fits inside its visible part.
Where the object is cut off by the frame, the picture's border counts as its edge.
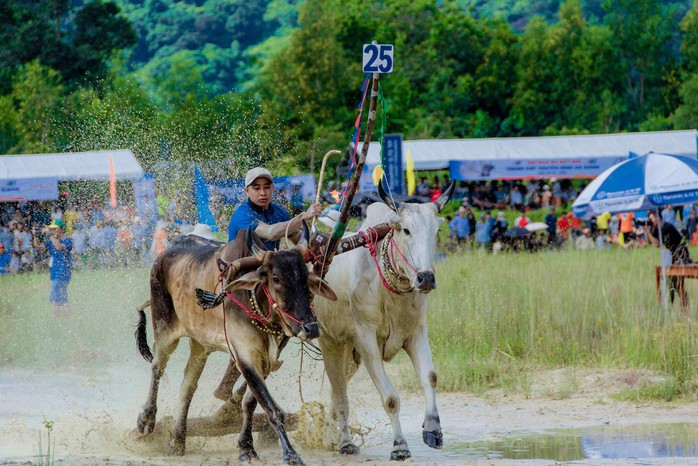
(633, 68)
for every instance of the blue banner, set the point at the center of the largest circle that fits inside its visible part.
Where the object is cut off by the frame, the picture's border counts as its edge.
(588, 167)
(392, 162)
(29, 189)
(233, 191)
(205, 216)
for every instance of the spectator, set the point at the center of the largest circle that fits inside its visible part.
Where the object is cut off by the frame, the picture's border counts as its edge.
(602, 222)
(482, 232)
(499, 228)
(22, 240)
(691, 225)
(502, 197)
(614, 228)
(602, 241)
(297, 206)
(563, 225)
(584, 242)
(516, 198)
(575, 224)
(5, 258)
(557, 192)
(109, 242)
(461, 226)
(522, 220)
(424, 189)
(160, 240)
(671, 239)
(59, 249)
(79, 245)
(551, 222)
(6, 238)
(669, 215)
(546, 197)
(627, 228)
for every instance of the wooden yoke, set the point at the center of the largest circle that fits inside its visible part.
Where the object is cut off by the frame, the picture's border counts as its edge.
(320, 241)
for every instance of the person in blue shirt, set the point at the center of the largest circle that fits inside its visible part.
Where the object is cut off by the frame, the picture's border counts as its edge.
(61, 267)
(5, 257)
(269, 220)
(460, 225)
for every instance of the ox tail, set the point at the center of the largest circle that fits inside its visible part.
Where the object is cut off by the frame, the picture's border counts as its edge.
(141, 335)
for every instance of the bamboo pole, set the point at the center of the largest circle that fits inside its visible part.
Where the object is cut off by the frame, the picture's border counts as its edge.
(340, 227)
(322, 174)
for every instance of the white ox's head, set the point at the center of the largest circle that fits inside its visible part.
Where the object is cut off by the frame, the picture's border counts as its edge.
(416, 227)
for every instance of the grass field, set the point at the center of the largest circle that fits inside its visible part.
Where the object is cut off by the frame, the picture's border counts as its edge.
(493, 321)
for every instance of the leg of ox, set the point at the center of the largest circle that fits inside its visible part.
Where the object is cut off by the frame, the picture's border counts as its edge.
(195, 365)
(163, 351)
(340, 367)
(417, 347)
(254, 375)
(367, 344)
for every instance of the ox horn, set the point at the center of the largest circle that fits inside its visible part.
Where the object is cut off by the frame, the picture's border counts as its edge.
(389, 201)
(443, 199)
(252, 245)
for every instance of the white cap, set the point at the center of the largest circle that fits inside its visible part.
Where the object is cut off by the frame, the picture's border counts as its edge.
(202, 230)
(256, 173)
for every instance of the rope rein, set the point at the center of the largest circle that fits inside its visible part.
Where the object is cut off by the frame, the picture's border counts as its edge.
(371, 237)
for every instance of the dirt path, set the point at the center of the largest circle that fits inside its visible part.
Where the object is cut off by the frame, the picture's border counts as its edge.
(94, 410)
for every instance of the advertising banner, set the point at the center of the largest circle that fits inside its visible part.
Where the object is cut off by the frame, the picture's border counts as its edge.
(531, 168)
(30, 189)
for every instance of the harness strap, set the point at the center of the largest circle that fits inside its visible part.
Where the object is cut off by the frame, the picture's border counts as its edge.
(371, 236)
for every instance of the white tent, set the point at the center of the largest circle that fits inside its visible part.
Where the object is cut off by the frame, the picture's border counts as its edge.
(438, 153)
(70, 166)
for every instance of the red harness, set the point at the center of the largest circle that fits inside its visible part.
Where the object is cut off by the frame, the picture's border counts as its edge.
(371, 236)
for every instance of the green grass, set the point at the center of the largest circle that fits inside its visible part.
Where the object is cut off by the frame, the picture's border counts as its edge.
(495, 318)
(493, 321)
(101, 328)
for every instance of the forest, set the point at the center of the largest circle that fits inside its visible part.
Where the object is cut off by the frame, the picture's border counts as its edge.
(277, 81)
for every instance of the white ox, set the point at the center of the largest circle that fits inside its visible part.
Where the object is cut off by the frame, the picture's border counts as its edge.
(370, 323)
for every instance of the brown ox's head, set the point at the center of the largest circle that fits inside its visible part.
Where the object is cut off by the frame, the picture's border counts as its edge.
(285, 277)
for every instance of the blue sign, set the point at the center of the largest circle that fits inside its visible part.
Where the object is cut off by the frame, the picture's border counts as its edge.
(233, 191)
(392, 162)
(29, 189)
(581, 167)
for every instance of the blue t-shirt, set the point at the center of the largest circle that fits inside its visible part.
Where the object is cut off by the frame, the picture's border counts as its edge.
(60, 262)
(249, 215)
(5, 262)
(460, 226)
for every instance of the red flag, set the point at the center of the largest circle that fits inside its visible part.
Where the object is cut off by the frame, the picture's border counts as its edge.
(112, 183)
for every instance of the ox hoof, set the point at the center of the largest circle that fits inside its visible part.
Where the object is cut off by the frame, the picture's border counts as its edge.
(293, 458)
(175, 448)
(400, 455)
(145, 424)
(248, 455)
(349, 449)
(433, 439)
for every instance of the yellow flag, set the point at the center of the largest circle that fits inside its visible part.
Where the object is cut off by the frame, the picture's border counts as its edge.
(411, 181)
(377, 174)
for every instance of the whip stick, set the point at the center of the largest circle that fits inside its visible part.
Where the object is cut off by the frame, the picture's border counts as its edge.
(340, 227)
(322, 174)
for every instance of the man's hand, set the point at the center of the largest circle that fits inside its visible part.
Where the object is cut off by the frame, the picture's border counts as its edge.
(315, 210)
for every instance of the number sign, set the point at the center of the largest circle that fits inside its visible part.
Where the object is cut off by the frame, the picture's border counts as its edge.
(378, 58)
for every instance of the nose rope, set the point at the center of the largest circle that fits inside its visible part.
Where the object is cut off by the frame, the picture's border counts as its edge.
(393, 245)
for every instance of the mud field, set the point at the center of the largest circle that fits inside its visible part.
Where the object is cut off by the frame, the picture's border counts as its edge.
(94, 410)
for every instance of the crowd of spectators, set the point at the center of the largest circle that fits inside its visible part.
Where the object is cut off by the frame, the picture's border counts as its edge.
(102, 236)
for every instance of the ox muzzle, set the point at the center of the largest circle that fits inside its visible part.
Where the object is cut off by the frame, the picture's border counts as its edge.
(426, 281)
(309, 331)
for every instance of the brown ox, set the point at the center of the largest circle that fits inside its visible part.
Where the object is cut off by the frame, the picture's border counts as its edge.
(278, 281)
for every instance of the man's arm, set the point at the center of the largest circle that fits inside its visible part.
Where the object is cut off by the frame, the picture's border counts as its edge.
(278, 230)
(650, 237)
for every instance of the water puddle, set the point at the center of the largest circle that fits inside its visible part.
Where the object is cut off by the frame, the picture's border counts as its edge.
(633, 441)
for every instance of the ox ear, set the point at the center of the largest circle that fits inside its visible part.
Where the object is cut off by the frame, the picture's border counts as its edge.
(247, 282)
(444, 198)
(389, 201)
(318, 286)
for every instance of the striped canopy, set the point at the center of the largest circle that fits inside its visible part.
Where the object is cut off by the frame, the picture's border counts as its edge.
(641, 183)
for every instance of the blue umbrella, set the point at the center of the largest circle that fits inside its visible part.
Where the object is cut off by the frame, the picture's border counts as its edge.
(642, 183)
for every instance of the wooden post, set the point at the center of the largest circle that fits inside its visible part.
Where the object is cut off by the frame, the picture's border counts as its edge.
(340, 227)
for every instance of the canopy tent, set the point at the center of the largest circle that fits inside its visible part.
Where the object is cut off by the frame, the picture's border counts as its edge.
(537, 157)
(70, 166)
(36, 177)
